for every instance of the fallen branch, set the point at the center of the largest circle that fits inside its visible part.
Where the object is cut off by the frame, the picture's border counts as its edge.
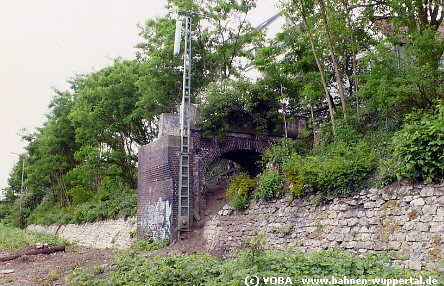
(35, 252)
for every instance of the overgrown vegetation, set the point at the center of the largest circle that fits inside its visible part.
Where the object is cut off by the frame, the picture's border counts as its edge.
(337, 169)
(202, 269)
(131, 267)
(239, 190)
(419, 146)
(376, 156)
(148, 244)
(13, 239)
(358, 70)
(270, 185)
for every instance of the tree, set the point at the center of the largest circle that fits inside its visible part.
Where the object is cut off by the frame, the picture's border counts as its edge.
(405, 69)
(300, 5)
(51, 152)
(108, 124)
(352, 41)
(160, 77)
(239, 103)
(412, 21)
(223, 37)
(333, 57)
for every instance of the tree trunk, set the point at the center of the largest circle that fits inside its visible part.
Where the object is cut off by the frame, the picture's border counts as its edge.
(34, 252)
(318, 62)
(333, 57)
(353, 46)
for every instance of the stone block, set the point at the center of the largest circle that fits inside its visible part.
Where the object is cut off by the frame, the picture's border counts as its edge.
(412, 237)
(427, 192)
(426, 218)
(364, 237)
(352, 221)
(417, 202)
(440, 212)
(414, 264)
(436, 227)
(407, 199)
(370, 205)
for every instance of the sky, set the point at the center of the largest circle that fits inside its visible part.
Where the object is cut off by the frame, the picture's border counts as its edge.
(45, 43)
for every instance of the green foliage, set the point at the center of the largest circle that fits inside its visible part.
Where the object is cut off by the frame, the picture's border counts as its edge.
(339, 169)
(419, 146)
(85, 276)
(15, 239)
(149, 244)
(238, 104)
(385, 175)
(269, 185)
(79, 194)
(120, 202)
(108, 203)
(239, 189)
(202, 269)
(280, 153)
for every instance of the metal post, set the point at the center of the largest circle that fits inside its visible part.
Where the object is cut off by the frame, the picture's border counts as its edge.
(21, 184)
(184, 168)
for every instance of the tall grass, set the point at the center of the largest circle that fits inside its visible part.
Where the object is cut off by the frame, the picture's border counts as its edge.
(13, 239)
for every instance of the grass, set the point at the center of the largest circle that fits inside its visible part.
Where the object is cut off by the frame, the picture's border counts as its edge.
(14, 239)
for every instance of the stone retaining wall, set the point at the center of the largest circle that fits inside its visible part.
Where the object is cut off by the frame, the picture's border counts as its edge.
(101, 234)
(402, 218)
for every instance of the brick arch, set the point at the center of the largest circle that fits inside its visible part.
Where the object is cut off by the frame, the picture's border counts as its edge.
(209, 149)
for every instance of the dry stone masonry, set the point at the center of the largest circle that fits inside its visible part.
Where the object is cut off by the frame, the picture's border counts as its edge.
(113, 233)
(408, 220)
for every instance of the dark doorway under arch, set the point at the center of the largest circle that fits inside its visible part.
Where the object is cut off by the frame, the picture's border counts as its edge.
(248, 159)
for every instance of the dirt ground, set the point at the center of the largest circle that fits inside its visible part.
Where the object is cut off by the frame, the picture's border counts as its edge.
(50, 269)
(194, 241)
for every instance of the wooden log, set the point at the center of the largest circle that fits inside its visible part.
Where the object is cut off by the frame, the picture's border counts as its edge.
(35, 252)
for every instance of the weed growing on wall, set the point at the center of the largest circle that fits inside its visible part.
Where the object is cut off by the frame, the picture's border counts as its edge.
(239, 189)
(340, 169)
(270, 183)
(149, 244)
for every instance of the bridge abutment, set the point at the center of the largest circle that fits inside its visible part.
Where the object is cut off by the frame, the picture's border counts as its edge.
(158, 172)
(157, 187)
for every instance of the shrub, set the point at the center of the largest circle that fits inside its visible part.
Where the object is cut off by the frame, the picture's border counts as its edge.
(419, 146)
(239, 190)
(280, 153)
(341, 169)
(79, 194)
(269, 184)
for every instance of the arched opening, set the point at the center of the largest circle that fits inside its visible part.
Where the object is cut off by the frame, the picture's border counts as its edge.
(247, 159)
(217, 175)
